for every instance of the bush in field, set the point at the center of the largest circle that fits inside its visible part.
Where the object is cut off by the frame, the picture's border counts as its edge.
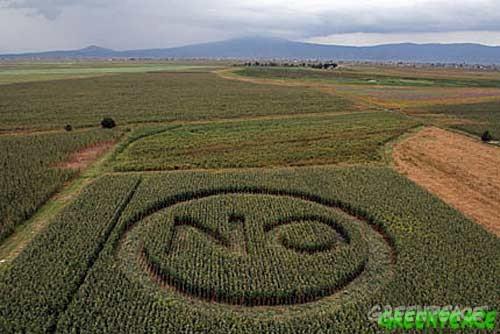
(486, 137)
(108, 123)
(68, 128)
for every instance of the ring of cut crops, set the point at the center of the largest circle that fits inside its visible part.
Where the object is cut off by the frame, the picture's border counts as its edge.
(242, 248)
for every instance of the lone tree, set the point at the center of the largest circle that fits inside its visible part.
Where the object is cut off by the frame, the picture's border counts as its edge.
(487, 137)
(68, 127)
(108, 123)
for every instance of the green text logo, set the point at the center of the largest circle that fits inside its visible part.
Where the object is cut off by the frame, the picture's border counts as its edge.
(437, 319)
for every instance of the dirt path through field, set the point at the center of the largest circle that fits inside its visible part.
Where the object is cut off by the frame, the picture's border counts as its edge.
(361, 103)
(84, 157)
(230, 75)
(40, 131)
(462, 171)
(91, 163)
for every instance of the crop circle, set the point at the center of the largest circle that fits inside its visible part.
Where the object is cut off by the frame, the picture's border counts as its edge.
(252, 249)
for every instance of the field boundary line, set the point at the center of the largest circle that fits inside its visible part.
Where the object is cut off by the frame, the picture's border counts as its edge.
(19, 132)
(456, 168)
(387, 149)
(11, 247)
(249, 118)
(95, 256)
(249, 169)
(130, 140)
(359, 101)
(29, 132)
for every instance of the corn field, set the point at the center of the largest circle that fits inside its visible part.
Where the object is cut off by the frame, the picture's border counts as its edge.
(307, 250)
(29, 174)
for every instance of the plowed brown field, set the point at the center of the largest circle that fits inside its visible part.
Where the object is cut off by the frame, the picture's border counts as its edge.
(462, 171)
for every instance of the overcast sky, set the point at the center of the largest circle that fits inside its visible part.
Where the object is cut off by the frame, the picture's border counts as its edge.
(31, 25)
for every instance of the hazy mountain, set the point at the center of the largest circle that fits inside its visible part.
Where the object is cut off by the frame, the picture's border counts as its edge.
(268, 48)
(88, 52)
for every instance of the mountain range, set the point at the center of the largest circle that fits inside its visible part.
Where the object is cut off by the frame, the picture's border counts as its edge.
(273, 48)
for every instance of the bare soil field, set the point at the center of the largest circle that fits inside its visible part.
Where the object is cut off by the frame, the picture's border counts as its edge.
(83, 158)
(460, 170)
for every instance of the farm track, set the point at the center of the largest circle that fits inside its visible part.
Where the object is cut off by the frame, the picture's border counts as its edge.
(82, 159)
(28, 132)
(459, 169)
(368, 96)
(362, 102)
(26, 232)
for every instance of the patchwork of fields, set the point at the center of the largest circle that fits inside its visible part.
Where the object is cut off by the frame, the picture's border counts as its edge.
(477, 116)
(152, 97)
(469, 101)
(458, 169)
(360, 77)
(228, 206)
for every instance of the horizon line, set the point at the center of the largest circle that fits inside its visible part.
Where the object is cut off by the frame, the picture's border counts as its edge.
(16, 53)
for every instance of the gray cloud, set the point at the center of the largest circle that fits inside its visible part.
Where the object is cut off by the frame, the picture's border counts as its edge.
(50, 9)
(370, 17)
(161, 23)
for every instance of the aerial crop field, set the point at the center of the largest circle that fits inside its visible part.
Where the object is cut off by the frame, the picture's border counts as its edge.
(289, 250)
(152, 97)
(363, 77)
(319, 140)
(29, 72)
(459, 99)
(239, 200)
(480, 116)
(29, 174)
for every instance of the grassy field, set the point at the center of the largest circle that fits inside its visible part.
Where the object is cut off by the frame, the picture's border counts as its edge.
(359, 77)
(153, 97)
(212, 214)
(479, 117)
(352, 138)
(29, 72)
(463, 100)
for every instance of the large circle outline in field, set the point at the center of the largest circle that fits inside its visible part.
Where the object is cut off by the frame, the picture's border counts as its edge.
(306, 197)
